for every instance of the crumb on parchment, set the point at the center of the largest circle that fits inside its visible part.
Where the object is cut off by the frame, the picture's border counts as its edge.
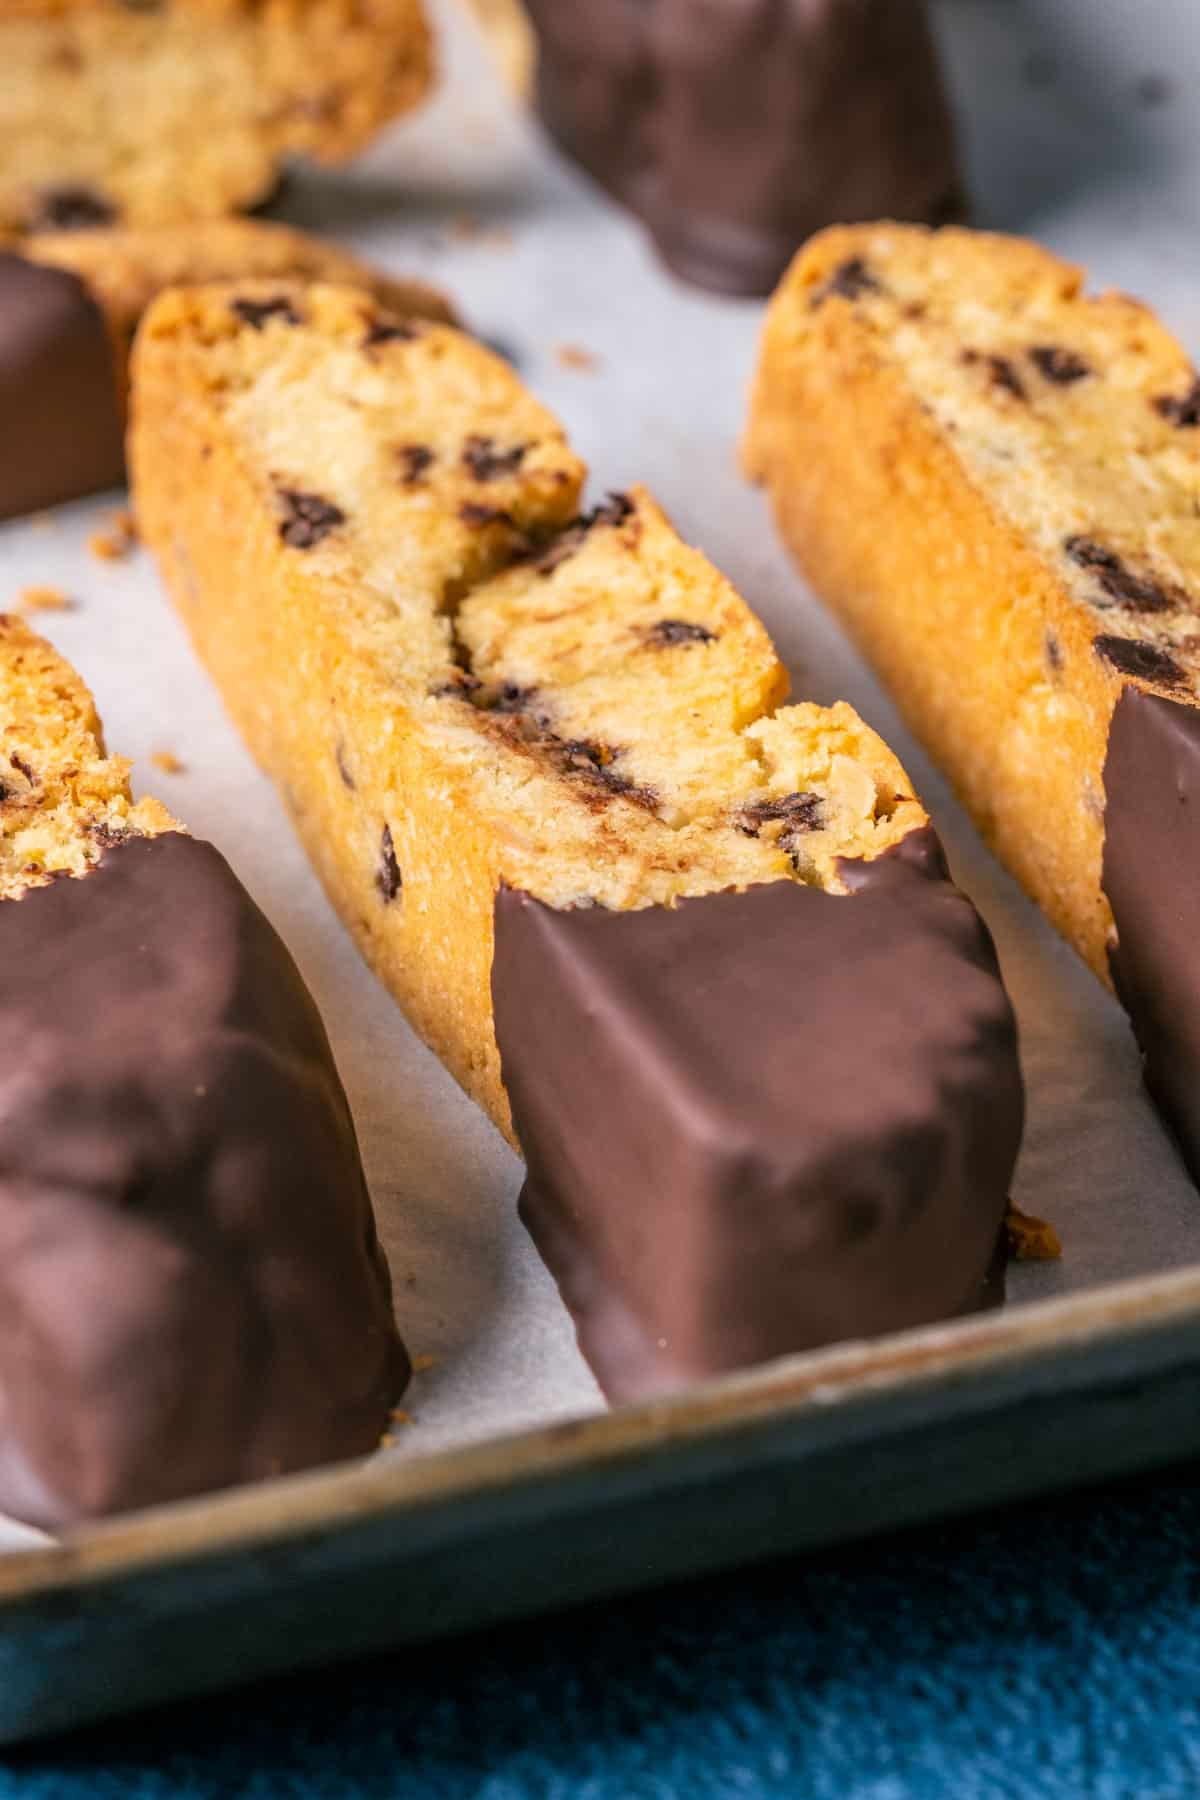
(575, 356)
(43, 599)
(115, 539)
(168, 762)
(1030, 1239)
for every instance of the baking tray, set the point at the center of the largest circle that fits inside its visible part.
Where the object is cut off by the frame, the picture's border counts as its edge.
(508, 1487)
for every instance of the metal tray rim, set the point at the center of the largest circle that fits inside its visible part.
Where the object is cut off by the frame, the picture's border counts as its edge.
(961, 1367)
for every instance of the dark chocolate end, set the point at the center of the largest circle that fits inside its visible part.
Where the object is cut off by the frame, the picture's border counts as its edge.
(63, 429)
(737, 130)
(759, 1122)
(191, 1290)
(1151, 878)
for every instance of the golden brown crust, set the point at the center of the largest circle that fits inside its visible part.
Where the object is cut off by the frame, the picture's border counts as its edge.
(455, 683)
(948, 451)
(113, 114)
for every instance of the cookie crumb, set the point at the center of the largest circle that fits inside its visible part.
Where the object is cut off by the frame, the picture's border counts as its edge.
(168, 762)
(575, 356)
(398, 1416)
(421, 1363)
(114, 541)
(1029, 1239)
(43, 599)
(467, 229)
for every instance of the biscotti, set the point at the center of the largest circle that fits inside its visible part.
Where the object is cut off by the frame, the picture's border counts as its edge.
(191, 1291)
(541, 761)
(995, 480)
(734, 129)
(112, 113)
(69, 305)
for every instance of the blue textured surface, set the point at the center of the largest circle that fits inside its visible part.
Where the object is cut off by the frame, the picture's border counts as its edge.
(1051, 1652)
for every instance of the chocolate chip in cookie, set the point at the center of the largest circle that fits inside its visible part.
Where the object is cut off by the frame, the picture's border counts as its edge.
(485, 460)
(1137, 657)
(1182, 410)
(256, 313)
(850, 281)
(1137, 593)
(388, 331)
(73, 208)
(799, 813)
(388, 878)
(415, 460)
(471, 513)
(307, 518)
(1001, 370)
(1062, 367)
(668, 633)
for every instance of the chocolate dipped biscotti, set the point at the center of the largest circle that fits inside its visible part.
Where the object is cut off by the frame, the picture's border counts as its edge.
(995, 480)
(733, 129)
(144, 112)
(191, 1291)
(70, 302)
(695, 951)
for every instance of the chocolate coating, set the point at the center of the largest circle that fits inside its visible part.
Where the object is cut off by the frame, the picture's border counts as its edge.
(59, 399)
(759, 1122)
(191, 1291)
(1151, 876)
(736, 128)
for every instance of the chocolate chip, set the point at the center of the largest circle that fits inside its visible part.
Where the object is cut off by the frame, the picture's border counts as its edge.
(388, 331)
(850, 280)
(339, 756)
(669, 632)
(580, 757)
(75, 208)
(1054, 654)
(1005, 376)
(307, 518)
(1183, 411)
(255, 313)
(18, 762)
(507, 698)
(799, 812)
(473, 514)
(1003, 373)
(388, 878)
(415, 459)
(613, 511)
(1058, 365)
(1134, 656)
(485, 461)
(1138, 593)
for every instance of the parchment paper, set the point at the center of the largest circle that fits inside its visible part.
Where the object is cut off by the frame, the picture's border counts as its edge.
(1081, 129)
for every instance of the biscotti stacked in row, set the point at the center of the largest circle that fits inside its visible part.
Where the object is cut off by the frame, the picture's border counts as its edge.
(70, 302)
(541, 762)
(995, 480)
(135, 114)
(191, 1291)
